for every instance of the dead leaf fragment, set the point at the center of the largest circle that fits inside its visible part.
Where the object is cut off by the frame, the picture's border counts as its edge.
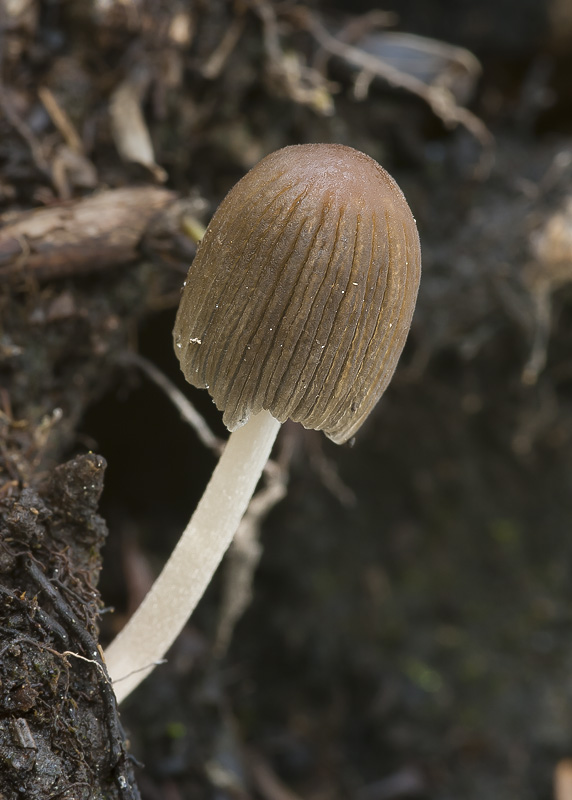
(128, 126)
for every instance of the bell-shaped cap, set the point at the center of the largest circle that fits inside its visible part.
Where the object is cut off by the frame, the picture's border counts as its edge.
(301, 294)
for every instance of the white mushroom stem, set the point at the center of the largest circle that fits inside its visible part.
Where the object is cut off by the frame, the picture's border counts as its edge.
(153, 628)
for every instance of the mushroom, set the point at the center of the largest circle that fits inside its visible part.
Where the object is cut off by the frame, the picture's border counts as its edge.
(297, 306)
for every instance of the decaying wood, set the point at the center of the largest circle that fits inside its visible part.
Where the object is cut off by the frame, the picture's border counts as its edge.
(93, 233)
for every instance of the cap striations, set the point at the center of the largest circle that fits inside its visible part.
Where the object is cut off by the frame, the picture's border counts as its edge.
(302, 291)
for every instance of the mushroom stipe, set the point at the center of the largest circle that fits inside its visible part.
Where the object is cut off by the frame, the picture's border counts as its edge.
(297, 306)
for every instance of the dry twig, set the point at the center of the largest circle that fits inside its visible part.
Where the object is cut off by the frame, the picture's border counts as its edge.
(438, 98)
(12, 116)
(287, 70)
(215, 63)
(188, 412)
(244, 554)
(60, 119)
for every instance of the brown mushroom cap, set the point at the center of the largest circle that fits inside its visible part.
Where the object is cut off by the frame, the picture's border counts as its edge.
(301, 294)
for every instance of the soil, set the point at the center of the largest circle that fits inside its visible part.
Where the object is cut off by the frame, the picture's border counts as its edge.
(409, 631)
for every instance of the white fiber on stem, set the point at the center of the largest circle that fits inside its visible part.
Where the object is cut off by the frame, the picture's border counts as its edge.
(161, 616)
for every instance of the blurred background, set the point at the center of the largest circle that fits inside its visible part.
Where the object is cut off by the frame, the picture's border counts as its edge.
(407, 628)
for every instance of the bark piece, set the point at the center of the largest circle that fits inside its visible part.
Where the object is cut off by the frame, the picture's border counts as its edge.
(93, 233)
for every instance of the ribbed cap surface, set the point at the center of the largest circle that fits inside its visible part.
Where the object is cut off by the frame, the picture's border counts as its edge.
(301, 294)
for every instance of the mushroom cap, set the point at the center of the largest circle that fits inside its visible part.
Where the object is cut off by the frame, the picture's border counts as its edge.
(301, 294)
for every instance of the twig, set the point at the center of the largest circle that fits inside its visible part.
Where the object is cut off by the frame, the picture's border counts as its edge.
(60, 119)
(244, 554)
(353, 30)
(267, 783)
(328, 473)
(303, 84)
(439, 98)
(69, 618)
(215, 62)
(185, 407)
(542, 300)
(27, 135)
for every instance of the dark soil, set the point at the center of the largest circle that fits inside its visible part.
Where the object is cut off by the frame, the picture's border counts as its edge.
(410, 632)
